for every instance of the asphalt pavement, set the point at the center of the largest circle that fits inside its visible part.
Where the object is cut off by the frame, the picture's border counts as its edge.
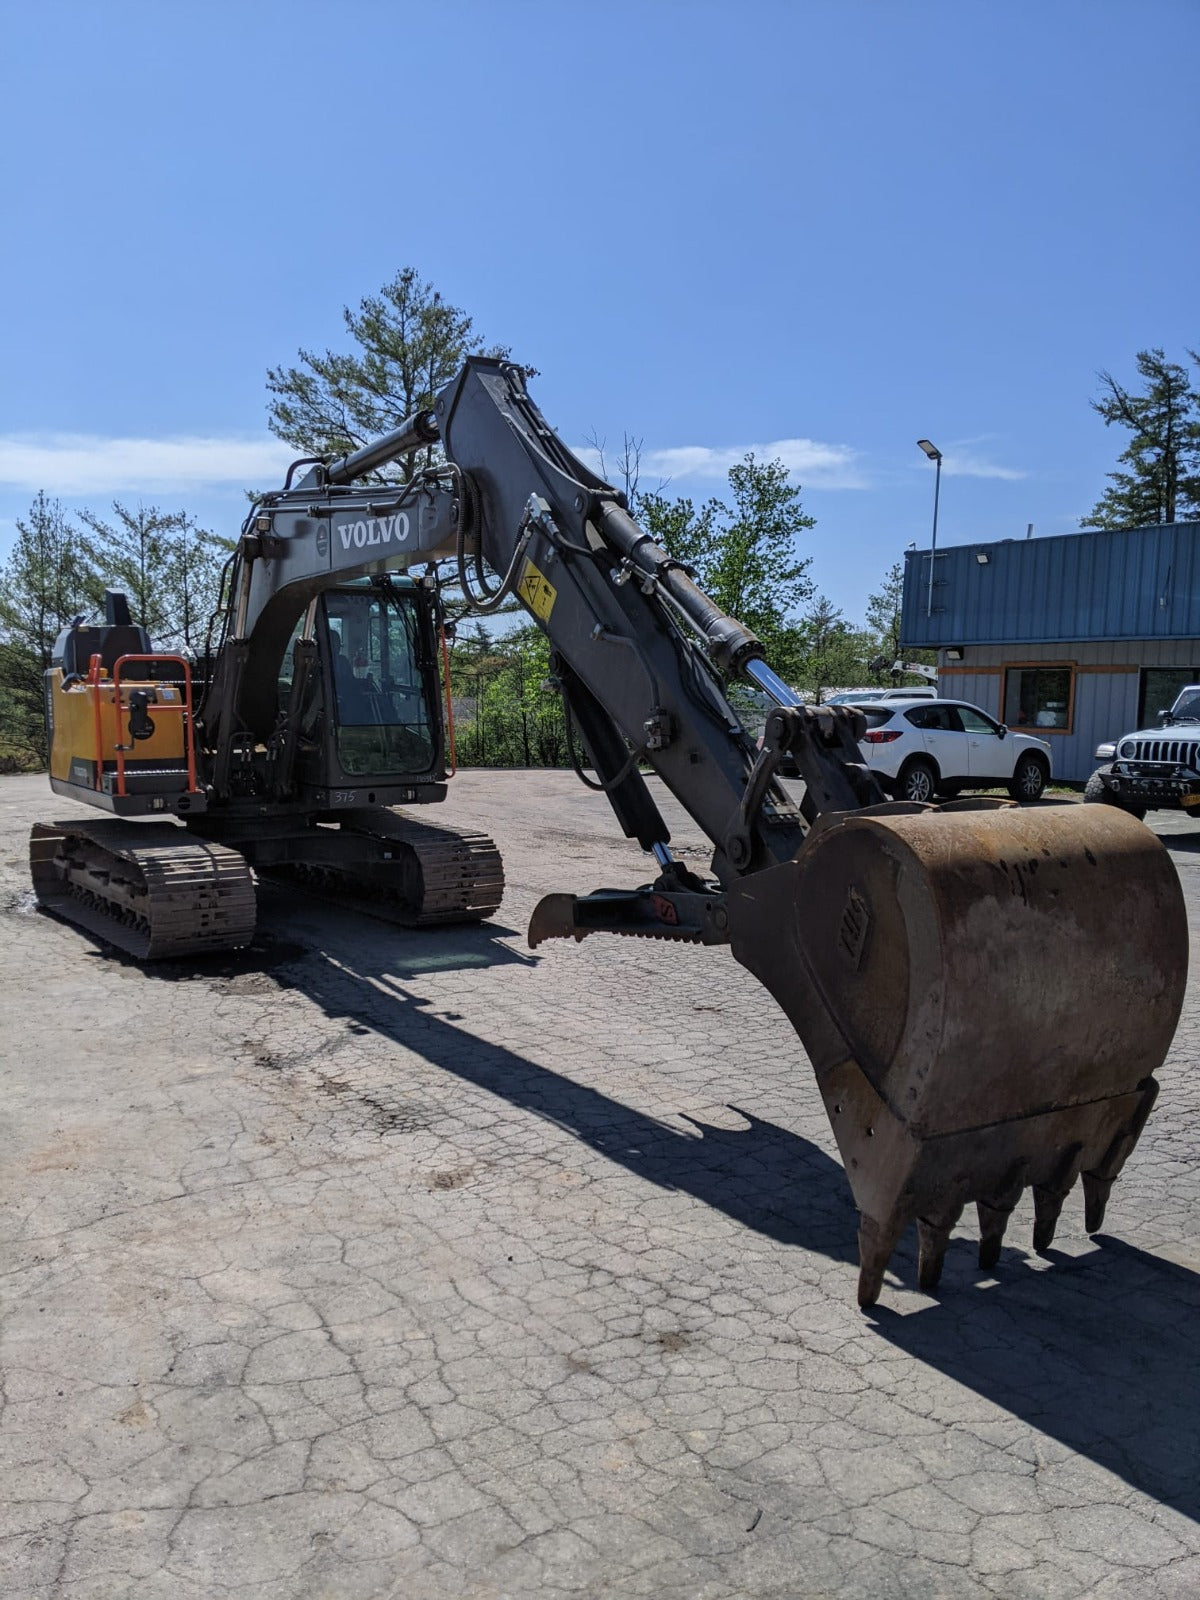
(374, 1263)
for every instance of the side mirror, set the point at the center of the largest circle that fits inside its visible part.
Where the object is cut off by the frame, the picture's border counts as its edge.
(1002, 730)
(1164, 719)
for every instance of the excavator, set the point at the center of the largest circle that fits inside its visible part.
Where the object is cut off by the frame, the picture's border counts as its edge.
(984, 990)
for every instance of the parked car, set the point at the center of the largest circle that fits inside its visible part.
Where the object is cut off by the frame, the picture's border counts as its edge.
(924, 748)
(862, 697)
(1151, 770)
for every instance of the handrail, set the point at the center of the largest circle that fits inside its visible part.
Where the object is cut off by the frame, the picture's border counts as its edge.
(184, 708)
(449, 705)
(95, 667)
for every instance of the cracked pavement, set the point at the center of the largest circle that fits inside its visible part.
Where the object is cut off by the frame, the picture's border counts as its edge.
(380, 1263)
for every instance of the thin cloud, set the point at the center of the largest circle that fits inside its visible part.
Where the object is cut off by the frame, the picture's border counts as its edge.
(84, 463)
(964, 461)
(819, 466)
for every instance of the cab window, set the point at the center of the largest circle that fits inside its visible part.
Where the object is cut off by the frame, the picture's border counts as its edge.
(381, 686)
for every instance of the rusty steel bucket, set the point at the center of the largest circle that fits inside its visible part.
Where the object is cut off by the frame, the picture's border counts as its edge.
(985, 995)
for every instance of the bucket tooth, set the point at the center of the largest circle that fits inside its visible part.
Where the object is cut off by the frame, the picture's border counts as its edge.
(1047, 1206)
(993, 1220)
(994, 1213)
(876, 1241)
(1096, 1191)
(1097, 1184)
(1048, 1198)
(933, 1236)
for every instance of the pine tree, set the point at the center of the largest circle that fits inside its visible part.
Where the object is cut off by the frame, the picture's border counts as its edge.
(1160, 480)
(832, 652)
(409, 343)
(45, 582)
(883, 627)
(167, 566)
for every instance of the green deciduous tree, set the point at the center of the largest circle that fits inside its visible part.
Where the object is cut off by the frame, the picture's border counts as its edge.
(408, 342)
(167, 566)
(745, 555)
(1159, 479)
(508, 717)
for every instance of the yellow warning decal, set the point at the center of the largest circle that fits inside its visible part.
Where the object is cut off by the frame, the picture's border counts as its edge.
(537, 592)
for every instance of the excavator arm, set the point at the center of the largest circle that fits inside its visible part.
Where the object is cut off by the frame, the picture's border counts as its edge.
(976, 1025)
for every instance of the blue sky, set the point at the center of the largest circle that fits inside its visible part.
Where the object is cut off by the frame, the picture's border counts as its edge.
(825, 229)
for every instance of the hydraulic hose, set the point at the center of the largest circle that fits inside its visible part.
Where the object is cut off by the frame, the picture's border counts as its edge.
(471, 521)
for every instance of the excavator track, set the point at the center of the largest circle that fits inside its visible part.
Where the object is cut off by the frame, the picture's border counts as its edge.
(426, 875)
(151, 889)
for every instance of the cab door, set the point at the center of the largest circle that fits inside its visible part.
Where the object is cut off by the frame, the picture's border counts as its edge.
(989, 753)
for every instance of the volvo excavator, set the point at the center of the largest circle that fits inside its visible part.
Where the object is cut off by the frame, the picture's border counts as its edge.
(984, 990)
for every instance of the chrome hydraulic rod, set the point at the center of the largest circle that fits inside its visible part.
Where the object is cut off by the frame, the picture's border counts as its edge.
(771, 683)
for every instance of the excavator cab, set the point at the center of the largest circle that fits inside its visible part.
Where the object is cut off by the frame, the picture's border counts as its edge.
(371, 712)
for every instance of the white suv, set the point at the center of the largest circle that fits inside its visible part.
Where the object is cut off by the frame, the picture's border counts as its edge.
(924, 748)
(864, 697)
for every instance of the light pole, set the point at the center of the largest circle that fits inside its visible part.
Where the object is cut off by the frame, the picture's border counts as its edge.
(935, 455)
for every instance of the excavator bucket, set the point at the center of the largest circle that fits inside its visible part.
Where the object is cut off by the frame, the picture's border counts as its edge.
(984, 995)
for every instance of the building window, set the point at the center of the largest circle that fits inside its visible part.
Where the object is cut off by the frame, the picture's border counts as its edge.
(1038, 697)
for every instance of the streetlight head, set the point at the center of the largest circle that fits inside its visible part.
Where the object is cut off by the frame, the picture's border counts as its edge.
(931, 450)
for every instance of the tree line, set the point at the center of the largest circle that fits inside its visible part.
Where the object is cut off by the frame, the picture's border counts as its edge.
(58, 568)
(509, 715)
(745, 547)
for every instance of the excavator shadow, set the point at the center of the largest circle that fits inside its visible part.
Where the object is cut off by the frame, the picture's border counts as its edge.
(292, 925)
(762, 1176)
(1182, 844)
(322, 924)
(1095, 1351)
(1098, 1352)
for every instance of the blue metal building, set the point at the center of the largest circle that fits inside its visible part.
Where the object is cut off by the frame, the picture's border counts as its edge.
(1076, 639)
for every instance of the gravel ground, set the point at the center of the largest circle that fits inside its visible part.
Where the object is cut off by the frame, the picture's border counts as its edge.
(371, 1264)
